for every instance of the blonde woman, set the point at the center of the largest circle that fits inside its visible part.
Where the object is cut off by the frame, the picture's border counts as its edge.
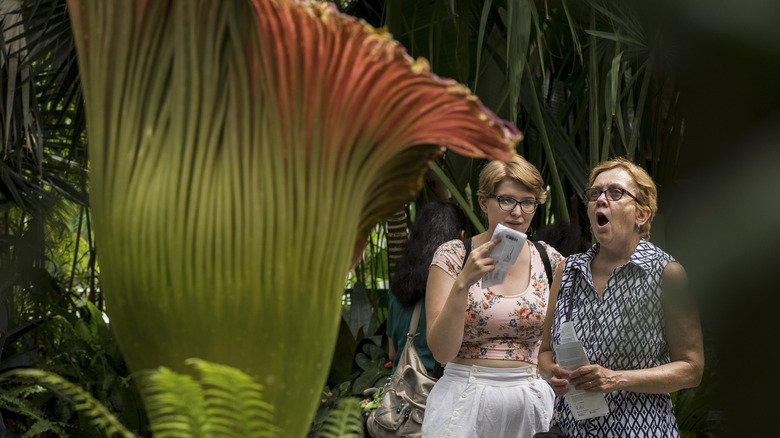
(489, 337)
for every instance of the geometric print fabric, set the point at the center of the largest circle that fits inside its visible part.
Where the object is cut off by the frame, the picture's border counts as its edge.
(621, 330)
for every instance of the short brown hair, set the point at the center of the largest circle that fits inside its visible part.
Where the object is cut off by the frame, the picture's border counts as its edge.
(517, 169)
(647, 193)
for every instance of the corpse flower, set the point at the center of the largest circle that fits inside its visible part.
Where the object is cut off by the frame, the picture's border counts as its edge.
(241, 151)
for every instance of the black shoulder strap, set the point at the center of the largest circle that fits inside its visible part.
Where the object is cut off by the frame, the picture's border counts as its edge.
(467, 245)
(546, 261)
(548, 268)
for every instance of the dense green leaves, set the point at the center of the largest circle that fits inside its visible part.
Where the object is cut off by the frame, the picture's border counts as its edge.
(97, 414)
(581, 80)
(41, 117)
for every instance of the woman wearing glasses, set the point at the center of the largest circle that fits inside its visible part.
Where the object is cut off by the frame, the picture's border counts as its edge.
(489, 337)
(628, 304)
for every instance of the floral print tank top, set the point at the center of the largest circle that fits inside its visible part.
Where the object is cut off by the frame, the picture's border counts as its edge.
(497, 326)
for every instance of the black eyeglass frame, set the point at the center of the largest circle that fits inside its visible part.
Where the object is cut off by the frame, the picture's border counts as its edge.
(533, 202)
(609, 193)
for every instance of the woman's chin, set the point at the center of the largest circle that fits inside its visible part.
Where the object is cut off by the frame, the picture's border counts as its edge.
(601, 234)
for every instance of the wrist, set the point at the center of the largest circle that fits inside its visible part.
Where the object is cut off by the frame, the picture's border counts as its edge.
(461, 285)
(619, 381)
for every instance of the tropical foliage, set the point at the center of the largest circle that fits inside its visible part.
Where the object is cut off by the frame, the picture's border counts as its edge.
(223, 161)
(582, 79)
(97, 415)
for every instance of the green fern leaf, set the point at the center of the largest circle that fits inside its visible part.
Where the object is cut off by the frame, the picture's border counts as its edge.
(43, 427)
(174, 404)
(223, 402)
(98, 415)
(235, 401)
(344, 421)
(14, 399)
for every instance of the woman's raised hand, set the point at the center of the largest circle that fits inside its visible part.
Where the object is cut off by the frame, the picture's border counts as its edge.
(478, 263)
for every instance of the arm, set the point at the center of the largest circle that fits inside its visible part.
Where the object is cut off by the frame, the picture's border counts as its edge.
(686, 351)
(550, 371)
(391, 349)
(445, 302)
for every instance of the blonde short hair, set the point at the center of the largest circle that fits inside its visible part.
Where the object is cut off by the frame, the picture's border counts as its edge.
(519, 170)
(647, 193)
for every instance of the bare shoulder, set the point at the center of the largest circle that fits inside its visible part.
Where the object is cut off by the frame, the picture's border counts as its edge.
(675, 284)
(556, 284)
(674, 274)
(559, 268)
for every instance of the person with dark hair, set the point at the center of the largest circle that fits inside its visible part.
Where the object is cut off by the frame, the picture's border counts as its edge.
(563, 236)
(436, 222)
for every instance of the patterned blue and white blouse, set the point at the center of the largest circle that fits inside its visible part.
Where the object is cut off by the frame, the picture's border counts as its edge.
(621, 330)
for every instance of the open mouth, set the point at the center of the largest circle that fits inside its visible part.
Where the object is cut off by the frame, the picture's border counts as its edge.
(601, 219)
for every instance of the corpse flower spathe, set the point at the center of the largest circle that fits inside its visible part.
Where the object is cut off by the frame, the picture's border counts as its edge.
(240, 152)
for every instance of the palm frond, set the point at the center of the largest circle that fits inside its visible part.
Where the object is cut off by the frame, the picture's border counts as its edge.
(457, 195)
(42, 120)
(343, 422)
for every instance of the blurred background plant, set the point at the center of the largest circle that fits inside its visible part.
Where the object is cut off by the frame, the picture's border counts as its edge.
(582, 79)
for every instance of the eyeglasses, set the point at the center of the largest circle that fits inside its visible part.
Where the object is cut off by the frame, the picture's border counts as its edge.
(614, 194)
(527, 206)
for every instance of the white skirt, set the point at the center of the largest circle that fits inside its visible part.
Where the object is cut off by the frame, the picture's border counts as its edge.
(474, 401)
